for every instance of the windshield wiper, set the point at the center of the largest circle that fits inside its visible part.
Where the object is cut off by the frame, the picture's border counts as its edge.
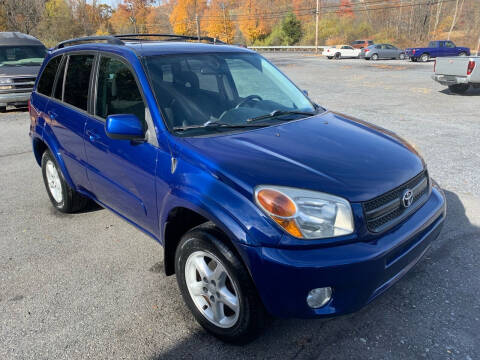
(276, 113)
(216, 125)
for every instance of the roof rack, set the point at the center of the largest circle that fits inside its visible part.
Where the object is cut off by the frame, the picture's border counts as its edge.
(108, 39)
(120, 39)
(168, 37)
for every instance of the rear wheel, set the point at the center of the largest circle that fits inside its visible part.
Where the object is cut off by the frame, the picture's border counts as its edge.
(374, 57)
(216, 286)
(338, 56)
(459, 88)
(424, 57)
(463, 53)
(3, 109)
(62, 196)
(330, 57)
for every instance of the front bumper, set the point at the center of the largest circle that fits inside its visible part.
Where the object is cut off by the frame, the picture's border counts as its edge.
(450, 79)
(357, 272)
(14, 98)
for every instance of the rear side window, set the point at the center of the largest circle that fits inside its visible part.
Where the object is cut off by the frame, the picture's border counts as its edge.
(117, 90)
(59, 85)
(47, 78)
(77, 80)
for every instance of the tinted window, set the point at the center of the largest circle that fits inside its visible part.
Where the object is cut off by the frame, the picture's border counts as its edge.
(59, 86)
(433, 44)
(378, 47)
(370, 42)
(77, 80)
(117, 90)
(48, 76)
(390, 47)
(449, 44)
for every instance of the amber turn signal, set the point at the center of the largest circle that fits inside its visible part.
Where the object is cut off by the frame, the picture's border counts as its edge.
(276, 203)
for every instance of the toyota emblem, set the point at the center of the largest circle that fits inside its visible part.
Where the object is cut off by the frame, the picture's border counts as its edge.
(407, 198)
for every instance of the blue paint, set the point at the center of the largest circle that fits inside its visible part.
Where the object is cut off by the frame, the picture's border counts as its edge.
(216, 176)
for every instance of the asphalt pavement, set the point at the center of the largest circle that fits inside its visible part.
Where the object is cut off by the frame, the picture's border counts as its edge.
(90, 286)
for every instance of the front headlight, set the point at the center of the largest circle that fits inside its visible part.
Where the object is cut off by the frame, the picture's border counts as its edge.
(306, 214)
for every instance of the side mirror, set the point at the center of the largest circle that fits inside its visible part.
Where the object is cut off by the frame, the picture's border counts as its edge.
(305, 92)
(124, 127)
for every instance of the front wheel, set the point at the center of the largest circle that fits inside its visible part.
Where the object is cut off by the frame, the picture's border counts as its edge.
(424, 57)
(62, 196)
(401, 56)
(338, 56)
(329, 57)
(216, 286)
(459, 88)
(3, 109)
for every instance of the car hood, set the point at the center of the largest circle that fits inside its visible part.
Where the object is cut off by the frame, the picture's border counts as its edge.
(19, 70)
(331, 153)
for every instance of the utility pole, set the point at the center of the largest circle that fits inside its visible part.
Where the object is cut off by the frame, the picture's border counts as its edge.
(198, 27)
(316, 26)
(224, 21)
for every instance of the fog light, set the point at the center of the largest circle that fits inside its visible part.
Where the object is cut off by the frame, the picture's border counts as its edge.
(318, 297)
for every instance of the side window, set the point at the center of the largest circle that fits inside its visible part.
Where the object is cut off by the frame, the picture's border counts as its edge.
(77, 80)
(378, 46)
(370, 42)
(449, 44)
(117, 90)
(47, 78)
(59, 85)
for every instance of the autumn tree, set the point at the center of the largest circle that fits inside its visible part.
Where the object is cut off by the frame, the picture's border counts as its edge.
(158, 19)
(185, 14)
(22, 15)
(57, 23)
(216, 21)
(252, 23)
(291, 29)
(345, 8)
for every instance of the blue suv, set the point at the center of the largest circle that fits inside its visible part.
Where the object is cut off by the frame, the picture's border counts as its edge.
(265, 202)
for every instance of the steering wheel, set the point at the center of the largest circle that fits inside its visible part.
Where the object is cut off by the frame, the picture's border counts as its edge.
(248, 99)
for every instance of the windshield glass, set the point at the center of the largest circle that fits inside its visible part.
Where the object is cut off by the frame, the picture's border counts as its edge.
(234, 90)
(22, 55)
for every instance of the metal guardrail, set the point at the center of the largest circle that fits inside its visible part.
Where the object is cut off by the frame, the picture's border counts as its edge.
(288, 48)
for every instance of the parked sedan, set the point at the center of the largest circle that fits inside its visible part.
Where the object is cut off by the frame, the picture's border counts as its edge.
(382, 51)
(341, 51)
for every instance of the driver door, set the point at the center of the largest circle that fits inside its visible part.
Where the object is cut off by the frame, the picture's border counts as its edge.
(121, 172)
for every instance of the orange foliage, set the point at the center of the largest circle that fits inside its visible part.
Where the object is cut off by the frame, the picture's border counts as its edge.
(216, 21)
(120, 20)
(252, 24)
(183, 16)
(345, 8)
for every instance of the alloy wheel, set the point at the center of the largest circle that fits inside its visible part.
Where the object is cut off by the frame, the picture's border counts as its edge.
(53, 180)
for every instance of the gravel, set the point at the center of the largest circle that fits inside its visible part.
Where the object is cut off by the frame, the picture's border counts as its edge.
(89, 285)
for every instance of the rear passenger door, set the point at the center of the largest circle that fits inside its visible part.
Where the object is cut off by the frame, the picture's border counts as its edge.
(67, 113)
(121, 172)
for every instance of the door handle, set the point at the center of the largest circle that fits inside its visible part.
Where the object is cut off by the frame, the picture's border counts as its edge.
(52, 115)
(92, 135)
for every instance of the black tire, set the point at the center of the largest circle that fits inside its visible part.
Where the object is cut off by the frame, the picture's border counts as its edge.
(459, 88)
(424, 57)
(252, 315)
(401, 56)
(374, 57)
(329, 57)
(3, 109)
(71, 201)
(367, 58)
(337, 56)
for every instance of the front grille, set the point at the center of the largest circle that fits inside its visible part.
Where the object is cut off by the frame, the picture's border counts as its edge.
(23, 83)
(387, 210)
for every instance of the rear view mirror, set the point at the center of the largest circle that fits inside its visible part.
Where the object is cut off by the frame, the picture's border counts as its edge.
(124, 127)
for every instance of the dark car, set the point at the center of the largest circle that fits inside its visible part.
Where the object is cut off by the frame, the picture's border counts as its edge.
(438, 48)
(360, 44)
(265, 202)
(382, 51)
(21, 56)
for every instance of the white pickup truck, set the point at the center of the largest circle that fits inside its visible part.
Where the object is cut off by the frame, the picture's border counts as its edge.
(458, 73)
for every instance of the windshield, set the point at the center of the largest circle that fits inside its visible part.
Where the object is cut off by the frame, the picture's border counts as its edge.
(22, 55)
(234, 90)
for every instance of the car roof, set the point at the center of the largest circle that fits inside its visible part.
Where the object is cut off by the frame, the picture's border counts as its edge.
(18, 38)
(150, 48)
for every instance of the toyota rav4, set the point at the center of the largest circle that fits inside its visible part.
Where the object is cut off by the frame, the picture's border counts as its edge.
(265, 202)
